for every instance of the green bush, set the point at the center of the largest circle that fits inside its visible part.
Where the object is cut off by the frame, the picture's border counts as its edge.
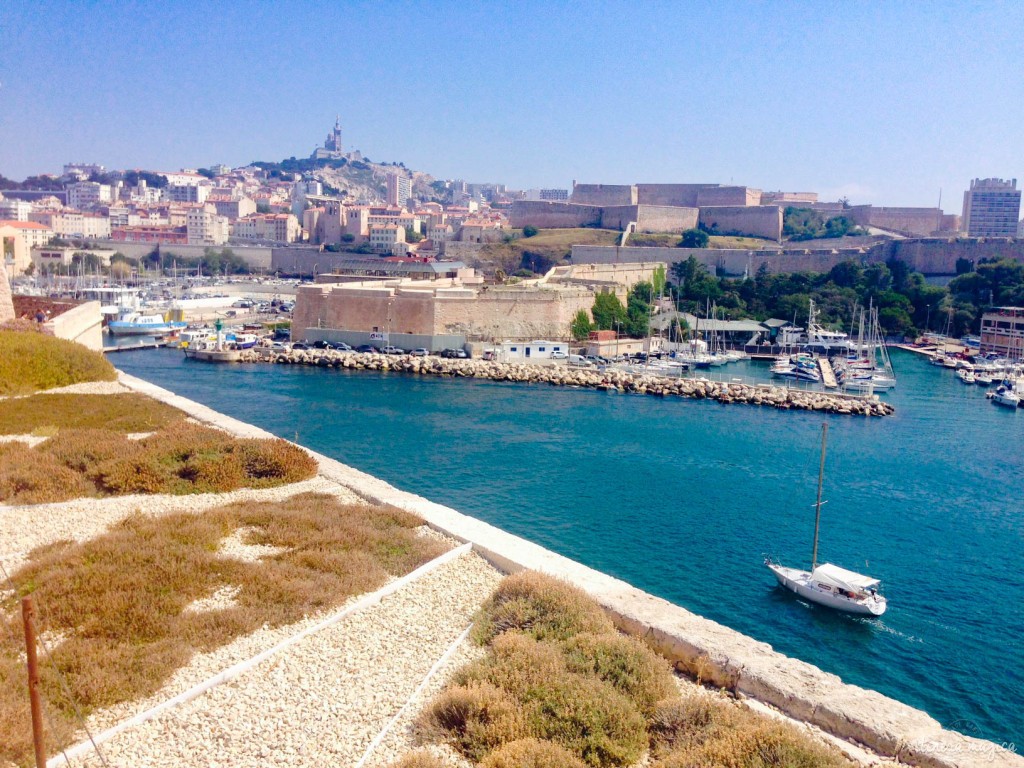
(531, 753)
(517, 664)
(30, 362)
(589, 718)
(542, 606)
(627, 664)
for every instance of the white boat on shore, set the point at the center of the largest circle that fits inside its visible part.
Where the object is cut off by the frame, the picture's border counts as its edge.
(139, 324)
(828, 584)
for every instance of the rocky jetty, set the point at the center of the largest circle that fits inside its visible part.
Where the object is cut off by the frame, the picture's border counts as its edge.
(590, 378)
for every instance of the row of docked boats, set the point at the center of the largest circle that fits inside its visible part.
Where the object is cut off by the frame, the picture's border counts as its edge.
(985, 371)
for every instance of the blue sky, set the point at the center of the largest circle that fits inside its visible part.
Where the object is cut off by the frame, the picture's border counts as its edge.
(884, 102)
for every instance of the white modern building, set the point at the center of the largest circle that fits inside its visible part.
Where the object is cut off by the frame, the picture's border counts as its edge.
(991, 208)
(85, 195)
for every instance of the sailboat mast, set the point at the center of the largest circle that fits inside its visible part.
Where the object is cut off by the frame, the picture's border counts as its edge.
(817, 505)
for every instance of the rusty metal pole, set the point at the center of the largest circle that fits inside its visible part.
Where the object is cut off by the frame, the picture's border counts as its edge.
(27, 614)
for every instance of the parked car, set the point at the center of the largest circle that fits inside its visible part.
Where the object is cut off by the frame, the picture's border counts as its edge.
(579, 361)
(367, 348)
(559, 355)
(301, 345)
(420, 352)
(456, 353)
(390, 350)
(341, 346)
(321, 344)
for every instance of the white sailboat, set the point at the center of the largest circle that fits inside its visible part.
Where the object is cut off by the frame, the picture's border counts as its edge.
(828, 584)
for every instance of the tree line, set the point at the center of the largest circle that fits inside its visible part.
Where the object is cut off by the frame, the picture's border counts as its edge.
(907, 304)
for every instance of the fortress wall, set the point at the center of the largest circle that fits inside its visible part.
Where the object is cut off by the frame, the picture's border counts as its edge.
(922, 222)
(717, 195)
(752, 220)
(692, 643)
(550, 215)
(684, 195)
(729, 262)
(513, 314)
(938, 256)
(604, 194)
(661, 218)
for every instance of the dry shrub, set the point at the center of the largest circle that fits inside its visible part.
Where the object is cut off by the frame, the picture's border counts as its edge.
(27, 477)
(82, 449)
(128, 412)
(758, 745)
(120, 598)
(700, 730)
(589, 718)
(30, 362)
(517, 664)
(531, 753)
(543, 606)
(275, 462)
(475, 718)
(629, 665)
(420, 758)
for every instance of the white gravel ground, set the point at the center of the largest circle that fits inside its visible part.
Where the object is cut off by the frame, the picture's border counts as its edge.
(320, 702)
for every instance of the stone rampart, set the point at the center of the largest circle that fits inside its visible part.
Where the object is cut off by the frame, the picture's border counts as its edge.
(604, 194)
(938, 256)
(728, 196)
(922, 222)
(664, 218)
(683, 195)
(749, 220)
(256, 257)
(551, 215)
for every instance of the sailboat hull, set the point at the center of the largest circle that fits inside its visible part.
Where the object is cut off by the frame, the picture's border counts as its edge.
(802, 584)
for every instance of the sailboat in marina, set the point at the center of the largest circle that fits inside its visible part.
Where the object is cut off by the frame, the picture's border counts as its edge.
(827, 584)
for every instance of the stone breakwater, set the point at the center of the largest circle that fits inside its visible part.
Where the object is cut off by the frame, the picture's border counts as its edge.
(608, 380)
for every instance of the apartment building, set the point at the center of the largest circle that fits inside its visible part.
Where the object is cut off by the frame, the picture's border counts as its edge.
(91, 226)
(399, 189)
(279, 227)
(15, 210)
(991, 208)
(32, 233)
(384, 237)
(204, 227)
(187, 193)
(86, 195)
(1002, 332)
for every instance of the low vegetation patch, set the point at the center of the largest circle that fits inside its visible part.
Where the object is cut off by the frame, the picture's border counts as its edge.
(128, 412)
(30, 362)
(180, 458)
(559, 686)
(710, 730)
(120, 601)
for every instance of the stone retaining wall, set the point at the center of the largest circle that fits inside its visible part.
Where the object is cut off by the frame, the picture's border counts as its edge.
(719, 654)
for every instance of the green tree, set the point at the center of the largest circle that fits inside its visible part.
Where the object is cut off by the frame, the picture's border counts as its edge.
(659, 279)
(581, 325)
(412, 236)
(608, 311)
(694, 238)
(529, 230)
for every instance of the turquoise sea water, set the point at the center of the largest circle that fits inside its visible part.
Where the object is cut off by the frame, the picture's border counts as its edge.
(682, 498)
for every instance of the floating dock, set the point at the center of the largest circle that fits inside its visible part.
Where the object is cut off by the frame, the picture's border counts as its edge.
(133, 347)
(828, 376)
